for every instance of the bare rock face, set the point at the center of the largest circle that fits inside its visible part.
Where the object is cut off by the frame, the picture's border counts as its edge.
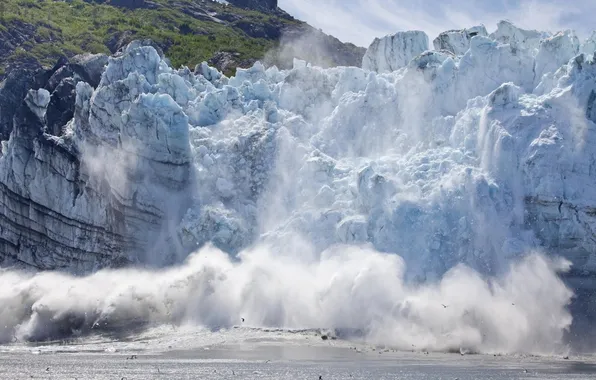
(12, 92)
(88, 175)
(13, 35)
(260, 5)
(129, 4)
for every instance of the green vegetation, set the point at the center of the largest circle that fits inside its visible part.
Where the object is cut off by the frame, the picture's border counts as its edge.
(73, 26)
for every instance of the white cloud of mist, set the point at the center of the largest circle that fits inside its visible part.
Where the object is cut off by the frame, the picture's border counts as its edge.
(348, 287)
(360, 21)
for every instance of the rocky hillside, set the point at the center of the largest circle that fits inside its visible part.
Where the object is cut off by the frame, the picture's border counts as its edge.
(37, 33)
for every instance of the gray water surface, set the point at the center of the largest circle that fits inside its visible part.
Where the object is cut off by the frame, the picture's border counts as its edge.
(274, 361)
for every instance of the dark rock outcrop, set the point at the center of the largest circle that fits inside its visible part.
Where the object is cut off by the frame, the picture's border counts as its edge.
(12, 92)
(89, 67)
(270, 31)
(259, 5)
(61, 107)
(128, 4)
(13, 89)
(225, 61)
(13, 35)
(119, 39)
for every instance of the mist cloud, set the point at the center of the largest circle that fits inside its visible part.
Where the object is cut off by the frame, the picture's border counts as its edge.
(348, 287)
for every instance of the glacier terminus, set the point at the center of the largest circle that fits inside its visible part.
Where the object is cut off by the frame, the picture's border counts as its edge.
(459, 171)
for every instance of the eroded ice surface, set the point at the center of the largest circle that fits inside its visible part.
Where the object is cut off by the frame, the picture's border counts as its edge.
(448, 159)
(476, 155)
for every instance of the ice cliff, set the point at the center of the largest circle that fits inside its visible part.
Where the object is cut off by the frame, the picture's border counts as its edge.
(475, 152)
(89, 177)
(393, 52)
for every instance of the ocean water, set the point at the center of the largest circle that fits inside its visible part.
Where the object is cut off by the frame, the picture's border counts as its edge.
(255, 354)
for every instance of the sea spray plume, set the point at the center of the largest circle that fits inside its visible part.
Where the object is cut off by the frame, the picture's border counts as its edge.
(306, 43)
(349, 287)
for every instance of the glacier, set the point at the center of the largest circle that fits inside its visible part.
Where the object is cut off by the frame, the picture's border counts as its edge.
(475, 153)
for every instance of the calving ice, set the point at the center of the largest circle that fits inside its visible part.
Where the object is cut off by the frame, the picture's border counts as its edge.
(360, 198)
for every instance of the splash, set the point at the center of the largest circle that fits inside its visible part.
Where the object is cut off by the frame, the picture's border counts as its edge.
(349, 288)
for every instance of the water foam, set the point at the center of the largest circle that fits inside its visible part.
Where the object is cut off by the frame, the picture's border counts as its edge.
(349, 288)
